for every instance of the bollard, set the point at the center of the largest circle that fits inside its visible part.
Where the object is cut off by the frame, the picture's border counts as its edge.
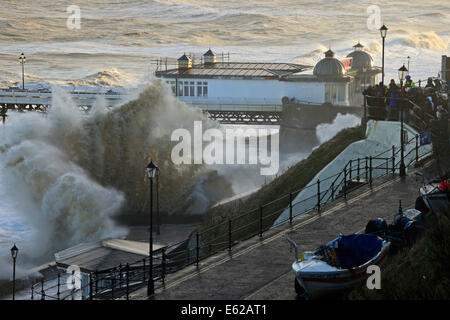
(290, 208)
(318, 195)
(229, 235)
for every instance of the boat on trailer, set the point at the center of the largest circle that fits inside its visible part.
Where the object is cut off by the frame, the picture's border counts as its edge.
(338, 265)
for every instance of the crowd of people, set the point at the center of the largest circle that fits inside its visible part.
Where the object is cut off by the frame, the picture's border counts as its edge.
(396, 101)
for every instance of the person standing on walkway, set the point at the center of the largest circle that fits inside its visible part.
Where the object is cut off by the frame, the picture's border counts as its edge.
(394, 95)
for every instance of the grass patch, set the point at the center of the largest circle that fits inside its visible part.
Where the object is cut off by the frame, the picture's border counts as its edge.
(420, 272)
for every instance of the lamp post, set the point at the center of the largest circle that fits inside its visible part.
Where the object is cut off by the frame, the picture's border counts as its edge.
(383, 32)
(14, 252)
(22, 60)
(152, 171)
(158, 221)
(402, 72)
(408, 58)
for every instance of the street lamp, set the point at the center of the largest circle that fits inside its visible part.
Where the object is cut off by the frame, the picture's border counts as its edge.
(152, 171)
(14, 252)
(22, 60)
(383, 32)
(409, 58)
(402, 73)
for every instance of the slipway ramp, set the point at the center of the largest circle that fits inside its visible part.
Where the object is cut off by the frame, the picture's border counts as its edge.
(381, 136)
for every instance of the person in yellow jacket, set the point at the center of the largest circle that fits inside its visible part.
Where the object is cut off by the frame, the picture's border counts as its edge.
(408, 82)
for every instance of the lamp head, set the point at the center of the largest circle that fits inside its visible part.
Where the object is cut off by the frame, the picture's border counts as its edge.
(402, 73)
(383, 31)
(14, 251)
(152, 170)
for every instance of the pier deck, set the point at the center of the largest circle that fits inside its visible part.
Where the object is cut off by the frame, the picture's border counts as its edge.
(261, 268)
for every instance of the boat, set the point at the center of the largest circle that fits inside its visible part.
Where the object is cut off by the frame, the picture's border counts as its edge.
(402, 232)
(435, 196)
(338, 265)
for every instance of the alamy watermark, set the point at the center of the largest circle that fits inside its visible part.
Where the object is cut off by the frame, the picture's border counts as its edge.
(259, 149)
(374, 18)
(74, 20)
(374, 280)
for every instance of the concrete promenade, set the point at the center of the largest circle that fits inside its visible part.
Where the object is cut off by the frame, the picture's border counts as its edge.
(260, 268)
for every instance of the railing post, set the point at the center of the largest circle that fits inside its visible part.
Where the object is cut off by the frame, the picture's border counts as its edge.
(332, 191)
(260, 221)
(96, 281)
(143, 277)
(32, 293)
(229, 235)
(59, 284)
(128, 280)
(358, 169)
(113, 284)
(91, 293)
(387, 166)
(417, 148)
(163, 267)
(370, 171)
(197, 241)
(42, 290)
(350, 173)
(345, 182)
(367, 169)
(290, 208)
(393, 160)
(318, 195)
(120, 276)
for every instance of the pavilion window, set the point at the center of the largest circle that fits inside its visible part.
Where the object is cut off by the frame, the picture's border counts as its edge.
(192, 88)
(341, 92)
(180, 88)
(186, 88)
(205, 89)
(199, 88)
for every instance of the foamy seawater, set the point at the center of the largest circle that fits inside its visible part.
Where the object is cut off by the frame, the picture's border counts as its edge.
(120, 37)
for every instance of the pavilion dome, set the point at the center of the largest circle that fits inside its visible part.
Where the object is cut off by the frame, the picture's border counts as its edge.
(360, 59)
(329, 66)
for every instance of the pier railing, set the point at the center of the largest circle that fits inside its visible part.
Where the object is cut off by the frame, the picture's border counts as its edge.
(121, 281)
